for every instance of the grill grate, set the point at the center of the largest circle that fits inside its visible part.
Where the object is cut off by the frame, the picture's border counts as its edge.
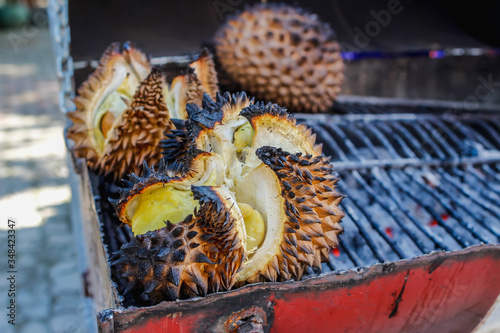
(415, 183)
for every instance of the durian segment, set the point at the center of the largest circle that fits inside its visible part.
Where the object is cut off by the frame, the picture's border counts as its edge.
(283, 54)
(262, 191)
(213, 127)
(163, 195)
(160, 203)
(254, 226)
(243, 137)
(137, 133)
(197, 256)
(311, 201)
(204, 68)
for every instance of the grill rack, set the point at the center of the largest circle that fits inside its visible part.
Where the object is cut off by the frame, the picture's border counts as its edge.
(416, 182)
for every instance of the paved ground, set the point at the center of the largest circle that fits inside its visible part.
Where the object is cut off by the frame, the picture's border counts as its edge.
(34, 191)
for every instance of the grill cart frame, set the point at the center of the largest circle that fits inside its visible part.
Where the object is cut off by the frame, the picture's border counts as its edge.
(437, 281)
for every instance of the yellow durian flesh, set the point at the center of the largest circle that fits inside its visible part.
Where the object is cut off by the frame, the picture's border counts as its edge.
(243, 137)
(150, 210)
(112, 107)
(254, 226)
(261, 190)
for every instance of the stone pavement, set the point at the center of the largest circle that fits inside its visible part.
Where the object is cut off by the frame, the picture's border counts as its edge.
(34, 191)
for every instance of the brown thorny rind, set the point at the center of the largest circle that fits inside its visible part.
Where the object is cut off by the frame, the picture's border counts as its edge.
(295, 190)
(125, 107)
(197, 256)
(284, 54)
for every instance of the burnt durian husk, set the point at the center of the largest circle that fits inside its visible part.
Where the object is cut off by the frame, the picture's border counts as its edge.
(311, 201)
(121, 115)
(170, 182)
(276, 172)
(124, 108)
(195, 257)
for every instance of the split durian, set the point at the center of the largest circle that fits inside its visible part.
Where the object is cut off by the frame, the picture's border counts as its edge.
(125, 107)
(278, 188)
(201, 254)
(101, 103)
(284, 54)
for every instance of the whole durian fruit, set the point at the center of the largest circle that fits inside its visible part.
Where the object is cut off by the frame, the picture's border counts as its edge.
(274, 188)
(282, 54)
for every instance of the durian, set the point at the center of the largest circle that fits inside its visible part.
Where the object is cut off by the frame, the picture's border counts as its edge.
(124, 108)
(102, 100)
(198, 255)
(284, 54)
(281, 188)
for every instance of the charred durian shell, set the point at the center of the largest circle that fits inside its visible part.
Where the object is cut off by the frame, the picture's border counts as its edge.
(214, 128)
(189, 87)
(283, 54)
(197, 256)
(118, 73)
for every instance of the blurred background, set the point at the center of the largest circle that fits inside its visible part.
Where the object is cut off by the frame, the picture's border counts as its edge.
(438, 50)
(34, 190)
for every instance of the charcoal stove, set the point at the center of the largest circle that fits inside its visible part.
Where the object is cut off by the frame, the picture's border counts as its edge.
(420, 251)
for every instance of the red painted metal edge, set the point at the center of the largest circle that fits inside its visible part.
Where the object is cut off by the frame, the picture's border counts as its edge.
(439, 292)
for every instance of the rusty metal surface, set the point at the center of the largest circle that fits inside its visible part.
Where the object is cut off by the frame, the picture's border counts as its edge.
(441, 292)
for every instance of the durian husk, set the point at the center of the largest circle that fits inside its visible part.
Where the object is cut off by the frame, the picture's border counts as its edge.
(112, 70)
(204, 69)
(189, 87)
(283, 54)
(312, 209)
(140, 129)
(199, 169)
(194, 257)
